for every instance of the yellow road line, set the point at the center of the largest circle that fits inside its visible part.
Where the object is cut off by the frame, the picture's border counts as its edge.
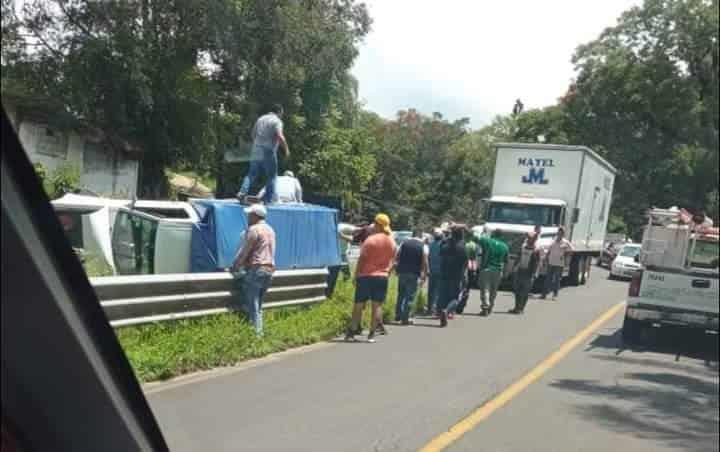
(443, 440)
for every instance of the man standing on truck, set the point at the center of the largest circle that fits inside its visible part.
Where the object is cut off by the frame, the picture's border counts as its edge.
(257, 258)
(411, 265)
(495, 255)
(556, 258)
(377, 255)
(267, 136)
(524, 272)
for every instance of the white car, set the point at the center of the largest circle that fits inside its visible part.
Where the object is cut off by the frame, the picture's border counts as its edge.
(624, 266)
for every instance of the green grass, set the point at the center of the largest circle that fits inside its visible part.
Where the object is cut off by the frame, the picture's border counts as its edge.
(164, 350)
(96, 266)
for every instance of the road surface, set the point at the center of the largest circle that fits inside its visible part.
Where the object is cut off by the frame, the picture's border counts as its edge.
(407, 390)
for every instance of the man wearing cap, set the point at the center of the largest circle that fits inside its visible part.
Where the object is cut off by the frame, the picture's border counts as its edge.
(287, 189)
(377, 255)
(494, 258)
(257, 258)
(525, 269)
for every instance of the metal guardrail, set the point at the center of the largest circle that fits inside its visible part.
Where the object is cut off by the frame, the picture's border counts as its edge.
(136, 299)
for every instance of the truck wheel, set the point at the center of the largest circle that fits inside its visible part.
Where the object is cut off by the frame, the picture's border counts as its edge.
(632, 331)
(538, 284)
(587, 265)
(575, 271)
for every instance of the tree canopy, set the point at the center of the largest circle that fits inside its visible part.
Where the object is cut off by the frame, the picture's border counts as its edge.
(184, 80)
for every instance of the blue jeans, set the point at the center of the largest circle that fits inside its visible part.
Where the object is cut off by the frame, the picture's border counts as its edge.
(407, 289)
(434, 291)
(451, 288)
(552, 280)
(267, 164)
(255, 284)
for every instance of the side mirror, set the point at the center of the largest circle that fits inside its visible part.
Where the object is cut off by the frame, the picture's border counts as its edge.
(576, 215)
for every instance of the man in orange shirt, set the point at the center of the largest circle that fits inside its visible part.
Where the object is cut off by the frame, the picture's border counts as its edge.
(377, 255)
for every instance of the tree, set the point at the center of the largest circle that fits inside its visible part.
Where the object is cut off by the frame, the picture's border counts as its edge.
(179, 78)
(646, 98)
(343, 165)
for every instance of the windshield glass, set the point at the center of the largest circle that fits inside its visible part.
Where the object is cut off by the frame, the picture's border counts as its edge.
(529, 214)
(630, 251)
(705, 254)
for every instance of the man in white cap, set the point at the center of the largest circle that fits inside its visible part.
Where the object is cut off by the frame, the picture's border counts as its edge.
(257, 258)
(287, 189)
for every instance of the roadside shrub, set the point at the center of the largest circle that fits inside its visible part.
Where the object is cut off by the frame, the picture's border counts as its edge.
(164, 350)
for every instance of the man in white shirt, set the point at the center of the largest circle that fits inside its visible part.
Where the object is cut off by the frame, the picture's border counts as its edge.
(287, 189)
(557, 255)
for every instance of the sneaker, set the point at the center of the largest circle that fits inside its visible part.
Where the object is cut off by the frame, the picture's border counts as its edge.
(513, 311)
(443, 319)
(350, 334)
(371, 338)
(380, 329)
(554, 298)
(483, 312)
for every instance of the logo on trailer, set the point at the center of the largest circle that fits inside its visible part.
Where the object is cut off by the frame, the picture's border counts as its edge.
(535, 176)
(536, 170)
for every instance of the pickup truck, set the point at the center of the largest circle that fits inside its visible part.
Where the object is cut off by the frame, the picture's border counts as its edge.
(677, 284)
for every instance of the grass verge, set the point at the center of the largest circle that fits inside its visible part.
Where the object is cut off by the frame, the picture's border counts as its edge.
(164, 350)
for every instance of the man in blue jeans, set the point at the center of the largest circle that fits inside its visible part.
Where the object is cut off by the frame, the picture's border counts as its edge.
(435, 279)
(557, 258)
(257, 258)
(411, 264)
(267, 136)
(454, 266)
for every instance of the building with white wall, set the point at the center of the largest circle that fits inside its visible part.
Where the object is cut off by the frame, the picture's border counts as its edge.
(108, 170)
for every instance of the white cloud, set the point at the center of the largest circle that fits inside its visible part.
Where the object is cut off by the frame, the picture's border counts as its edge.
(475, 57)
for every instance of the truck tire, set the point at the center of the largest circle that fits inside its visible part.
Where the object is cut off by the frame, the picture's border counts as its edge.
(538, 284)
(575, 272)
(632, 331)
(586, 266)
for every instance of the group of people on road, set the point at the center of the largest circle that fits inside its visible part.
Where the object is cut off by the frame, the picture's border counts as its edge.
(450, 265)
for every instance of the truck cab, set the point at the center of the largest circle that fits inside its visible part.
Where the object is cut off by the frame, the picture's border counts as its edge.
(677, 284)
(516, 216)
(551, 185)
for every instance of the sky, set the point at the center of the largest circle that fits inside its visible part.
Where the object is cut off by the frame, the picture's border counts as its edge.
(473, 58)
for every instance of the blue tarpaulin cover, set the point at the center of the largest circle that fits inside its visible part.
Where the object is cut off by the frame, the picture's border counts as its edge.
(305, 235)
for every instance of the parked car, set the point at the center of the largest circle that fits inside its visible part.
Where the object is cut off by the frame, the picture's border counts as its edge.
(608, 255)
(625, 263)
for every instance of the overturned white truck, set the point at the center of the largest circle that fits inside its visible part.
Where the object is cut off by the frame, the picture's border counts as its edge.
(550, 186)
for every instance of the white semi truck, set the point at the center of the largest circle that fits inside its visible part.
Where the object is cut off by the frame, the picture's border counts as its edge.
(550, 186)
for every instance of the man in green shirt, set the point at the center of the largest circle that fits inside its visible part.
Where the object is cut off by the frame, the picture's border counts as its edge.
(494, 258)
